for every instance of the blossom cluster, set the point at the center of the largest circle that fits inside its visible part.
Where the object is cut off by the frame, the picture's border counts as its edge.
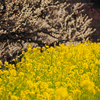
(65, 72)
(29, 16)
(42, 22)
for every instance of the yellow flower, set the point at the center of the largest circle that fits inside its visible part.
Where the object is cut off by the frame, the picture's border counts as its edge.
(6, 62)
(29, 84)
(27, 92)
(98, 89)
(92, 66)
(77, 92)
(85, 77)
(97, 62)
(50, 91)
(29, 45)
(29, 49)
(33, 74)
(46, 46)
(6, 72)
(0, 62)
(13, 97)
(22, 49)
(22, 59)
(85, 65)
(13, 72)
(39, 97)
(57, 84)
(69, 98)
(21, 74)
(38, 77)
(88, 85)
(23, 96)
(81, 71)
(46, 96)
(49, 84)
(29, 66)
(32, 93)
(62, 91)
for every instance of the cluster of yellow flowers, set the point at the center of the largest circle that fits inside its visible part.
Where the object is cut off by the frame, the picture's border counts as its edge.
(65, 72)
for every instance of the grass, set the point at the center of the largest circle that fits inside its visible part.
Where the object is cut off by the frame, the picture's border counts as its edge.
(64, 72)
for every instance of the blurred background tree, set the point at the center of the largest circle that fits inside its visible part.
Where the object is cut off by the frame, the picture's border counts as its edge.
(37, 22)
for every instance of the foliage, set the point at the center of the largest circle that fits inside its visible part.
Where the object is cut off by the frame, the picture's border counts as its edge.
(60, 73)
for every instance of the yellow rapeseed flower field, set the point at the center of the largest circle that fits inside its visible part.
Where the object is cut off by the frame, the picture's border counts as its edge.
(64, 72)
